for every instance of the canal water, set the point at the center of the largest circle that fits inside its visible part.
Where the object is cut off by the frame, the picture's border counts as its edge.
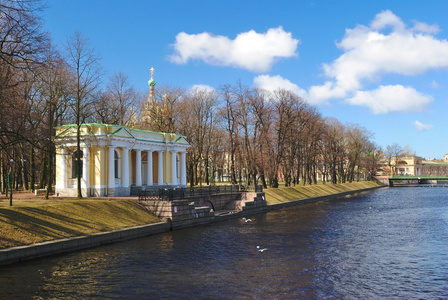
(391, 243)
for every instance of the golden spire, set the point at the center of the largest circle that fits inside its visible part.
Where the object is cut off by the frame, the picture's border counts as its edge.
(151, 81)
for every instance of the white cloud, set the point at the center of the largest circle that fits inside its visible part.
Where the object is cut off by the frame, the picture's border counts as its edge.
(434, 84)
(387, 46)
(321, 93)
(391, 98)
(422, 127)
(203, 87)
(253, 51)
(423, 27)
(272, 83)
(385, 19)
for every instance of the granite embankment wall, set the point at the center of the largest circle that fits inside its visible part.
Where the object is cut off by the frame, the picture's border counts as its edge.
(205, 209)
(178, 214)
(22, 253)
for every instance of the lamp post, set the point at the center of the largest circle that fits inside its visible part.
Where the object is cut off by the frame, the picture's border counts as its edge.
(208, 176)
(10, 181)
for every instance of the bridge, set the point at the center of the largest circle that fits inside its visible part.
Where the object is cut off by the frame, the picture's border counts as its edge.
(430, 179)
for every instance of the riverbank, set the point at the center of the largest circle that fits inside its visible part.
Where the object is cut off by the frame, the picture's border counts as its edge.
(300, 192)
(33, 220)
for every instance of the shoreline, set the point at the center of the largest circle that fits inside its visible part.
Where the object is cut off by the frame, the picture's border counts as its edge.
(53, 247)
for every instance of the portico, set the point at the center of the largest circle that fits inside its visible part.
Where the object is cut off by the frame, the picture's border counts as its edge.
(113, 158)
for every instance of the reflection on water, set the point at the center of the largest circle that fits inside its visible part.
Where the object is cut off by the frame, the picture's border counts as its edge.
(392, 243)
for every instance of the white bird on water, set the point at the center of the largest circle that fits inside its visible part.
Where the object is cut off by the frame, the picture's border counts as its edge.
(247, 220)
(261, 250)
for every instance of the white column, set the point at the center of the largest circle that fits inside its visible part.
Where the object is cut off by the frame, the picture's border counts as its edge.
(174, 168)
(149, 175)
(125, 162)
(138, 166)
(85, 168)
(183, 169)
(63, 160)
(111, 165)
(160, 170)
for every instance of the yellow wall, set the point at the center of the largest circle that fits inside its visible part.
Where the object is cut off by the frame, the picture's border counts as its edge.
(97, 166)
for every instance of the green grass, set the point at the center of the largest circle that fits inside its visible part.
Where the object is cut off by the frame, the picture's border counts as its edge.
(36, 221)
(284, 194)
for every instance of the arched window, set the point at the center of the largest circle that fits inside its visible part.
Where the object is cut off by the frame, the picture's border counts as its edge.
(77, 164)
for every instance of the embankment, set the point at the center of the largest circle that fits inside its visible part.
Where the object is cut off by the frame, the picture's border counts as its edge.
(41, 228)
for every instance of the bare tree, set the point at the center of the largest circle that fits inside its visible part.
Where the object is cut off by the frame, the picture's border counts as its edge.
(84, 64)
(262, 115)
(357, 141)
(21, 38)
(407, 150)
(391, 154)
(286, 106)
(335, 149)
(196, 123)
(229, 116)
(309, 140)
(21, 41)
(113, 106)
(54, 90)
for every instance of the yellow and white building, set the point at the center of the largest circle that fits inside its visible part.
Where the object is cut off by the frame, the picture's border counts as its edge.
(115, 158)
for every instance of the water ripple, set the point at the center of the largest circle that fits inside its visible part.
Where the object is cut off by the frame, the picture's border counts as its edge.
(390, 244)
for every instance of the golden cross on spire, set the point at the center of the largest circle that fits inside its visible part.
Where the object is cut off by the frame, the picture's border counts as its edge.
(152, 72)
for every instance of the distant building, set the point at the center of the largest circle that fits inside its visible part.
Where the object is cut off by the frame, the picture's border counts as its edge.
(413, 165)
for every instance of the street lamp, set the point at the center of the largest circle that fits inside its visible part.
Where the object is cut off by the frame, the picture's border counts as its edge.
(10, 181)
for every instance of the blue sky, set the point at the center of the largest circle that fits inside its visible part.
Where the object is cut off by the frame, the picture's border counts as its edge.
(380, 64)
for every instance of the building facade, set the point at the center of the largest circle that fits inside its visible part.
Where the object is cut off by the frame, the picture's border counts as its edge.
(114, 158)
(413, 165)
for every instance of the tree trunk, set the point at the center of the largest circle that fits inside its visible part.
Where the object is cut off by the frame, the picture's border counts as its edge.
(32, 170)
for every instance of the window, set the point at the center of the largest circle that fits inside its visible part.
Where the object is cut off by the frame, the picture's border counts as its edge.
(177, 167)
(77, 164)
(116, 164)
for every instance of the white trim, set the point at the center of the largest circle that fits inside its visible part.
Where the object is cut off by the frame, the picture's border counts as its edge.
(125, 173)
(111, 167)
(174, 180)
(149, 177)
(85, 167)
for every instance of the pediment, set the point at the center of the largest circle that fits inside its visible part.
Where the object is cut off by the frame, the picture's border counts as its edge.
(122, 132)
(181, 141)
(65, 132)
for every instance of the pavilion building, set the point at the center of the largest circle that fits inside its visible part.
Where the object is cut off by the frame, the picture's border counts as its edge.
(113, 159)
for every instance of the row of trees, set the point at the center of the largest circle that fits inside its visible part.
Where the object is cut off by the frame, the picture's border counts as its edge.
(261, 137)
(41, 87)
(236, 132)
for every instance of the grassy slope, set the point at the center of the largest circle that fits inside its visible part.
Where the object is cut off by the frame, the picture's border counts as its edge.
(49, 220)
(301, 192)
(35, 221)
